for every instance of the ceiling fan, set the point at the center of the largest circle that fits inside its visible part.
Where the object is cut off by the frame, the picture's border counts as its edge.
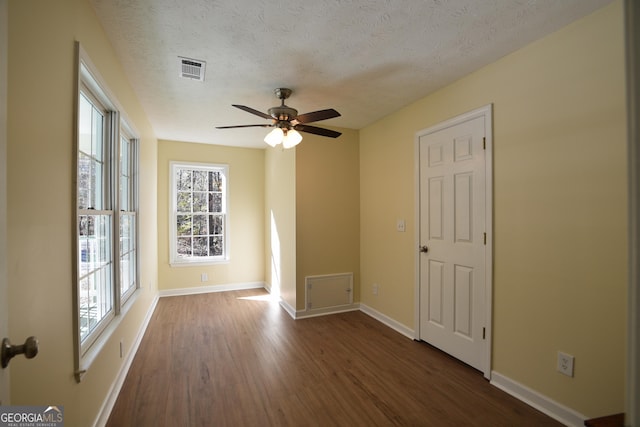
(287, 122)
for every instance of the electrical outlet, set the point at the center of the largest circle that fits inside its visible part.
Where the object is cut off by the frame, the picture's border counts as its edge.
(565, 364)
(204, 277)
(374, 289)
(400, 225)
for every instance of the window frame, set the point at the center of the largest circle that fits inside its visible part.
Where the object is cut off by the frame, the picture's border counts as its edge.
(174, 259)
(89, 84)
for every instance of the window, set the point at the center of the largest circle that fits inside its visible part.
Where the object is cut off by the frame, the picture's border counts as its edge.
(106, 214)
(95, 217)
(128, 215)
(198, 213)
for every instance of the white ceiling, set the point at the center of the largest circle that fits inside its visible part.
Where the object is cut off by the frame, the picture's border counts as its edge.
(364, 58)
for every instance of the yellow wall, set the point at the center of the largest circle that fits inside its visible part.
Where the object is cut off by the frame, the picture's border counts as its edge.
(4, 292)
(559, 209)
(246, 209)
(280, 223)
(40, 207)
(327, 208)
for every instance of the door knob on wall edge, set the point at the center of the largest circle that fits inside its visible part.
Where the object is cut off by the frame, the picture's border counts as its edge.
(29, 349)
(424, 249)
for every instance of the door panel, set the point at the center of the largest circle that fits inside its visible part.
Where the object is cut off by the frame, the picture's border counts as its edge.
(452, 226)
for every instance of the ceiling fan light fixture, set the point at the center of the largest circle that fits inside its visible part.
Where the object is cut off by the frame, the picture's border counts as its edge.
(291, 139)
(274, 137)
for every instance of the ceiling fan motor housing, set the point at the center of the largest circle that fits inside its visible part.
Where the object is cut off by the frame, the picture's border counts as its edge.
(283, 113)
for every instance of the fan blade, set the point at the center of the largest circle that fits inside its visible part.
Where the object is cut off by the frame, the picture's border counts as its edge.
(317, 131)
(316, 116)
(243, 126)
(252, 111)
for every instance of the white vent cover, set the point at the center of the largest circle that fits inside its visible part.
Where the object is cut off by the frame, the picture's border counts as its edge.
(192, 68)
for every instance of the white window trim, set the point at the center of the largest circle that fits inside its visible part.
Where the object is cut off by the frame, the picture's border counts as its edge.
(174, 261)
(89, 79)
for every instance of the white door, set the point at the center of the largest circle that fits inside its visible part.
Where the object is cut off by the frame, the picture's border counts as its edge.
(454, 260)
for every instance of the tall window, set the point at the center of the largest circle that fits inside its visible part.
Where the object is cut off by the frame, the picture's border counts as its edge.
(106, 209)
(198, 213)
(95, 217)
(128, 216)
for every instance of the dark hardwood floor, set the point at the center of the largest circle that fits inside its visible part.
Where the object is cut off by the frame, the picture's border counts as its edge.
(229, 359)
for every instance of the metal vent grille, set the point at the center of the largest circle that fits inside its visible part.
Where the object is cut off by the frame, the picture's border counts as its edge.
(192, 69)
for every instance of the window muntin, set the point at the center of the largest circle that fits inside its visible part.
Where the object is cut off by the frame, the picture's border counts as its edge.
(199, 213)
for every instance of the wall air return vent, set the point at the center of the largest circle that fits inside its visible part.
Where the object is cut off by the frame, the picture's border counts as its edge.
(192, 69)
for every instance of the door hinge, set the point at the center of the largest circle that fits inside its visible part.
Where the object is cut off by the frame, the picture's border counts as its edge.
(484, 333)
(485, 238)
(484, 143)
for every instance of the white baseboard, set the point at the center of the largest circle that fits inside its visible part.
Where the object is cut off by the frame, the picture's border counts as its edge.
(112, 396)
(304, 314)
(288, 308)
(393, 324)
(542, 403)
(211, 288)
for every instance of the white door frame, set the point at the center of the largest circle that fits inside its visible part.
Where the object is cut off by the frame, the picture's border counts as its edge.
(486, 113)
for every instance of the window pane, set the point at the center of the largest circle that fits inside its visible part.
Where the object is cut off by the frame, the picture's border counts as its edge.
(84, 125)
(200, 247)
(184, 225)
(184, 246)
(215, 202)
(127, 272)
(125, 234)
(215, 224)
(124, 193)
(125, 174)
(85, 193)
(199, 225)
(216, 245)
(200, 181)
(200, 202)
(90, 156)
(215, 181)
(183, 179)
(184, 202)
(97, 123)
(124, 156)
(83, 303)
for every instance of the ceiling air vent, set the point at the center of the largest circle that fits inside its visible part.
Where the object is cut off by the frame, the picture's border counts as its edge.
(192, 68)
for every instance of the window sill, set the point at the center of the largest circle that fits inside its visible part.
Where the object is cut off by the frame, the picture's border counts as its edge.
(199, 263)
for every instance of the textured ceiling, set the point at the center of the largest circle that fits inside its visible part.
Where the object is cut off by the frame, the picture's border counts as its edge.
(364, 58)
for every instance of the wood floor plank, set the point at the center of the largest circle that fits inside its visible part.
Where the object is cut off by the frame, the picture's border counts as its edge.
(238, 359)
